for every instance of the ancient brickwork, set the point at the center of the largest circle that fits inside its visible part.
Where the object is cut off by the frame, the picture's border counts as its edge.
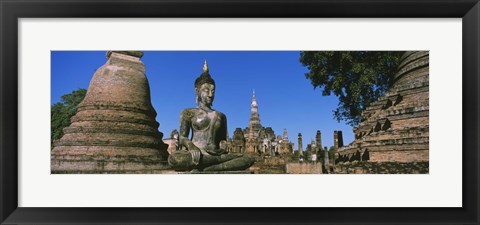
(172, 144)
(285, 146)
(114, 128)
(382, 168)
(270, 165)
(337, 140)
(304, 168)
(239, 141)
(395, 128)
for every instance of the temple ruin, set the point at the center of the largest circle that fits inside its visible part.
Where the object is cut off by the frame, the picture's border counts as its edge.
(395, 128)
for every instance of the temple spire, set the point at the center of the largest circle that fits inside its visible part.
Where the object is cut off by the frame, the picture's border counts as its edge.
(254, 102)
(254, 124)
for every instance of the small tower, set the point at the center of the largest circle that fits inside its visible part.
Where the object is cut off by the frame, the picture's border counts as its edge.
(238, 141)
(285, 134)
(313, 148)
(337, 139)
(285, 143)
(300, 144)
(318, 139)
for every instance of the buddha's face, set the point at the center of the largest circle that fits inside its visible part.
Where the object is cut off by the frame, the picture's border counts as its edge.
(205, 94)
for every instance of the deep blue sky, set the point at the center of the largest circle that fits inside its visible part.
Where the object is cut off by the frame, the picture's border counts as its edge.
(285, 97)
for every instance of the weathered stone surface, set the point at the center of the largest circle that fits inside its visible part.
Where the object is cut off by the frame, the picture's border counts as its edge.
(172, 144)
(269, 166)
(238, 144)
(304, 168)
(382, 168)
(114, 129)
(286, 147)
(395, 128)
(172, 141)
(219, 172)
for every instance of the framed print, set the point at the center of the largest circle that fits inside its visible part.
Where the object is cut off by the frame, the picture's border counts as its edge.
(330, 105)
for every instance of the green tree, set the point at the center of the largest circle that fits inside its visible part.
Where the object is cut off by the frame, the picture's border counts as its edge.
(331, 152)
(296, 153)
(62, 111)
(306, 155)
(357, 78)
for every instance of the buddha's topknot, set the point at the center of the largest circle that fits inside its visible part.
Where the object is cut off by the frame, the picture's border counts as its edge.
(204, 78)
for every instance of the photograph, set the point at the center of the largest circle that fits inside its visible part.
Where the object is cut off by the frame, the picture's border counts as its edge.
(239, 112)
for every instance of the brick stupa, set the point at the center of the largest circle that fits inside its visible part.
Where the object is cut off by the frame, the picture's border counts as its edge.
(114, 129)
(395, 128)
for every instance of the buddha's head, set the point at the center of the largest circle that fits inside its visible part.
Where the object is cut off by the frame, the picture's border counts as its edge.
(205, 88)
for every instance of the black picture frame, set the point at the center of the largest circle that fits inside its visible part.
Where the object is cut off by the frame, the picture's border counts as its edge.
(12, 10)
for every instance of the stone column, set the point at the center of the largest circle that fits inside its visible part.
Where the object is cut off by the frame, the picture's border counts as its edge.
(338, 139)
(313, 150)
(300, 144)
(337, 143)
(318, 139)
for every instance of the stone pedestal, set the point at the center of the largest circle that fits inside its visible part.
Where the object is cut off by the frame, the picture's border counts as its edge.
(114, 129)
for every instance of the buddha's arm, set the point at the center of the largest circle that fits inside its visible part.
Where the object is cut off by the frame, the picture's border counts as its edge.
(220, 135)
(185, 127)
(225, 131)
(224, 120)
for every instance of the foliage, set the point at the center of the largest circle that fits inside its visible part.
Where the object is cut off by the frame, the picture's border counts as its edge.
(357, 77)
(296, 153)
(331, 152)
(62, 111)
(306, 155)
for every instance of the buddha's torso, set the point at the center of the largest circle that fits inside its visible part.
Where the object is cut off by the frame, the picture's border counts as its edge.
(206, 125)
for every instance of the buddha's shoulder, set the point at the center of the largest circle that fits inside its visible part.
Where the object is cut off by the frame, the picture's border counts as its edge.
(188, 112)
(221, 114)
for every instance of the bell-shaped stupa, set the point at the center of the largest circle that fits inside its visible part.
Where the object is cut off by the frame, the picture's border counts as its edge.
(114, 129)
(395, 128)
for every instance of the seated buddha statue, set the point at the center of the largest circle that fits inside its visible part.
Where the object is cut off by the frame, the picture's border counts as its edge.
(206, 149)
